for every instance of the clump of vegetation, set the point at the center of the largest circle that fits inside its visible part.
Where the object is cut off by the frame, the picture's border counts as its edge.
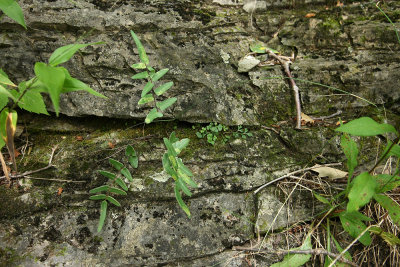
(215, 130)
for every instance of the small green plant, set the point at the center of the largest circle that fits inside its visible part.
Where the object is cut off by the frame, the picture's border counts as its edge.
(172, 164)
(215, 130)
(49, 79)
(107, 191)
(13, 10)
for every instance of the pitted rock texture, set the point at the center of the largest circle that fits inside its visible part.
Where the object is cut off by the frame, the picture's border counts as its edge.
(352, 48)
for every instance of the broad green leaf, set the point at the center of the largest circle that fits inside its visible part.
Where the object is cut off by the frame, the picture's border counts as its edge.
(72, 85)
(166, 103)
(147, 88)
(107, 174)
(183, 187)
(153, 114)
(13, 10)
(31, 101)
(391, 206)
(2, 143)
(146, 99)
(4, 95)
(141, 75)
(170, 147)
(53, 79)
(99, 189)
(391, 239)
(103, 212)
(98, 197)
(132, 157)
(180, 201)
(350, 149)
(139, 66)
(125, 172)
(180, 145)
(64, 53)
(113, 201)
(4, 80)
(117, 191)
(295, 260)
(163, 88)
(159, 74)
(361, 192)
(321, 198)
(116, 164)
(258, 48)
(394, 151)
(366, 126)
(142, 52)
(121, 183)
(386, 182)
(354, 226)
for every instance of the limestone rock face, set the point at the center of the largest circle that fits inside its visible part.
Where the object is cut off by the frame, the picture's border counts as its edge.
(202, 42)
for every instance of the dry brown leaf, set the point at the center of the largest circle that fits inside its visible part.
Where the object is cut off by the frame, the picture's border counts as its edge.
(305, 119)
(79, 138)
(310, 15)
(59, 191)
(329, 172)
(339, 4)
(111, 145)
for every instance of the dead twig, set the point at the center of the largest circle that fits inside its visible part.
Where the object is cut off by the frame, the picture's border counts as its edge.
(54, 180)
(285, 63)
(50, 165)
(316, 252)
(293, 173)
(5, 170)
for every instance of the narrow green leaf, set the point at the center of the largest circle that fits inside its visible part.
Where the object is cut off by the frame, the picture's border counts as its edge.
(295, 260)
(99, 189)
(103, 213)
(366, 126)
(64, 53)
(186, 179)
(180, 145)
(166, 103)
(183, 187)
(146, 99)
(13, 10)
(134, 161)
(391, 239)
(147, 88)
(117, 191)
(125, 172)
(141, 75)
(113, 201)
(153, 114)
(98, 197)
(170, 148)
(340, 249)
(183, 168)
(121, 183)
(169, 169)
(163, 88)
(139, 66)
(172, 138)
(72, 85)
(107, 174)
(361, 192)
(142, 52)
(53, 79)
(321, 198)
(116, 164)
(180, 201)
(159, 74)
(350, 149)
(355, 227)
(386, 182)
(4, 80)
(391, 206)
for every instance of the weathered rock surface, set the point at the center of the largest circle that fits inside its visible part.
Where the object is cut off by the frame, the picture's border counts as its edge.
(352, 48)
